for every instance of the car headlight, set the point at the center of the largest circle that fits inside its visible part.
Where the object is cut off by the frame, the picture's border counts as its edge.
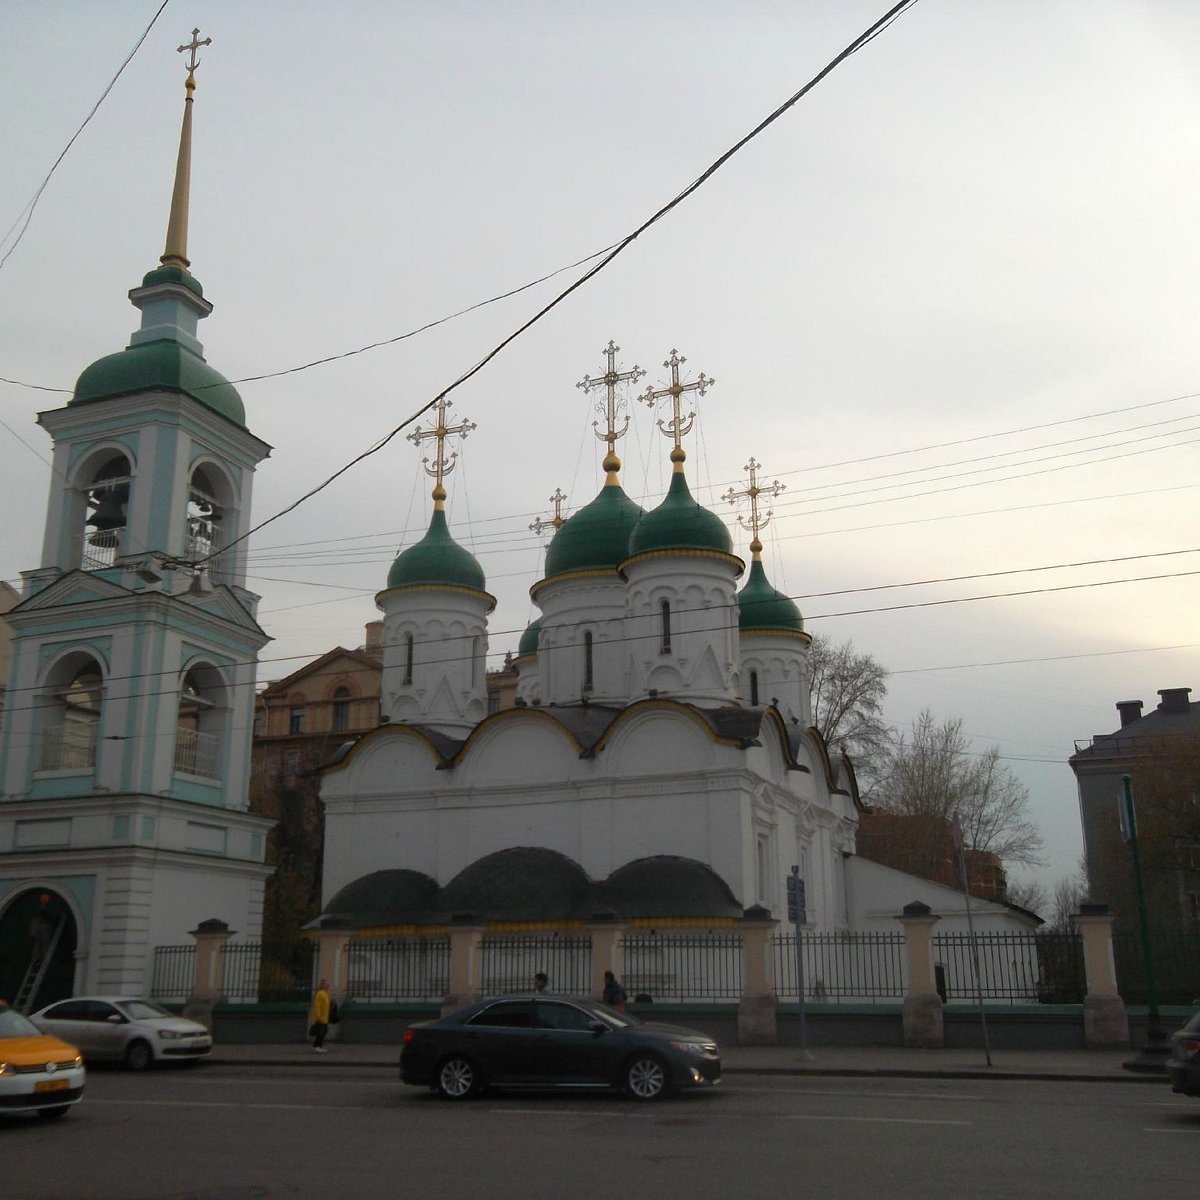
(690, 1047)
(7, 1069)
(77, 1061)
(171, 1034)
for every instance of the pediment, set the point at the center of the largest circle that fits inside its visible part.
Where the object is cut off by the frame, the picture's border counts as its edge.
(221, 602)
(75, 587)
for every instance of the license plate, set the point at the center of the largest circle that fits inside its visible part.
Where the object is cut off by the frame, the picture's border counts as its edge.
(52, 1085)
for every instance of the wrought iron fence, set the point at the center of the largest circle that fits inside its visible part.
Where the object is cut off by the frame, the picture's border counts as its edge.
(842, 968)
(266, 972)
(1021, 968)
(173, 972)
(1176, 958)
(510, 962)
(410, 968)
(683, 966)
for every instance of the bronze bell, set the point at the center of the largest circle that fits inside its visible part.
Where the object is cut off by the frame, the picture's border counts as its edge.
(110, 512)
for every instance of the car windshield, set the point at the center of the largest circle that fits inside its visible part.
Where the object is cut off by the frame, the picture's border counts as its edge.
(13, 1025)
(619, 1020)
(141, 1010)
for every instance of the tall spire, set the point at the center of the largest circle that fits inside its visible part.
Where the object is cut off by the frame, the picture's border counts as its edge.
(758, 520)
(442, 464)
(609, 406)
(175, 254)
(678, 425)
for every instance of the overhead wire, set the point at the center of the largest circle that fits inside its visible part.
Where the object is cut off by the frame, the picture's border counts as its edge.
(28, 211)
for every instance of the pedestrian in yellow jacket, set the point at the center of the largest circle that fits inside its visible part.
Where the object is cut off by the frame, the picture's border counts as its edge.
(318, 1016)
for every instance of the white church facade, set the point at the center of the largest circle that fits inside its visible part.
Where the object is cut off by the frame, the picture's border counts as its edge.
(661, 764)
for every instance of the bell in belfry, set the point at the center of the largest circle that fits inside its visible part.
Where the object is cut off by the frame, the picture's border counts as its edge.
(108, 517)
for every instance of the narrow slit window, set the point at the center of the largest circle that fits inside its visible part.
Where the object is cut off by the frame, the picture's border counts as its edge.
(665, 614)
(587, 661)
(753, 687)
(408, 658)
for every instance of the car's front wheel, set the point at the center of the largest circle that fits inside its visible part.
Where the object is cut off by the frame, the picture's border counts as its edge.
(138, 1055)
(646, 1078)
(457, 1078)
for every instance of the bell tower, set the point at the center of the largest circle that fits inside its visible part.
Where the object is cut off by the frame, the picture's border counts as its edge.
(126, 737)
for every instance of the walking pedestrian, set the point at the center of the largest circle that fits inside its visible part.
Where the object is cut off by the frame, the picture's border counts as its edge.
(318, 1016)
(539, 981)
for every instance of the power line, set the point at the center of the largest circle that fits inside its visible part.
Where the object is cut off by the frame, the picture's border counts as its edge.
(28, 210)
(860, 41)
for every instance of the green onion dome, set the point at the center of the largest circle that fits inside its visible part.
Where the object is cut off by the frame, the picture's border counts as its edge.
(597, 536)
(163, 364)
(159, 366)
(437, 559)
(529, 639)
(679, 523)
(764, 608)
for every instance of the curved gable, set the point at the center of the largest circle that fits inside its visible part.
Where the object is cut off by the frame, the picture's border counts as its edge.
(656, 736)
(385, 760)
(519, 745)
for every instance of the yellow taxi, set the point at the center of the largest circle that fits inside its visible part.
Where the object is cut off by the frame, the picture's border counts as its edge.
(38, 1073)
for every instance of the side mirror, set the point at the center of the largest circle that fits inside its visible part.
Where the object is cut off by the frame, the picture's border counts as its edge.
(115, 1019)
(598, 1027)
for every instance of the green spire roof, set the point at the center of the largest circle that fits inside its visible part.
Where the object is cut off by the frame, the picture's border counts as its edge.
(437, 559)
(529, 639)
(762, 607)
(597, 536)
(163, 365)
(679, 523)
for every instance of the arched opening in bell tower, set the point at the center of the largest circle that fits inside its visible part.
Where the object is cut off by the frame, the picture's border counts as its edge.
(103, 511)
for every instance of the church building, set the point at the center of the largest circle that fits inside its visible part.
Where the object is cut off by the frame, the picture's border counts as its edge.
(660, 764)
(127, 723)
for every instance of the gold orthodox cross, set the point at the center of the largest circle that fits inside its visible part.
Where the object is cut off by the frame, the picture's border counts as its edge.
(193, 46)
(678, 425)
(442, 464)
(556, 521)
(608, 407)
(758, 520)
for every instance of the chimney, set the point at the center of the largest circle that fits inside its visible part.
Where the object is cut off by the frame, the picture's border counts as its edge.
(1173, 700)
(1130, 710)
(374, 634)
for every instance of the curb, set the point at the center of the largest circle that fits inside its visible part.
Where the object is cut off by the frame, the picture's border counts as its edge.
(982, 1073)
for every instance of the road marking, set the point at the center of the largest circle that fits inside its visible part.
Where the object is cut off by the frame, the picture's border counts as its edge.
(857, 1094)
(111, 1103)
(1193, 1131)
(556, 1112)
(867, 1120)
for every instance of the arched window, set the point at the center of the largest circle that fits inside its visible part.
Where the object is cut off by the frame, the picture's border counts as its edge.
(341, 710)
(408, 658)
(664, 610)
(206, 531)
(587, 661)
(201, 722)
(71, 720)
(106, 505)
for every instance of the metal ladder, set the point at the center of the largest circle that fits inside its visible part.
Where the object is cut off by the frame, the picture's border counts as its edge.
(27, 992)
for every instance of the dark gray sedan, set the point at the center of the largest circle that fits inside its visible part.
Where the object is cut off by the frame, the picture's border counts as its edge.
(555, 1041)
(1183, 1067)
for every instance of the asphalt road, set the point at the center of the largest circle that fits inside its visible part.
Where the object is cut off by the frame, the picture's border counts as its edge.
(219, 1133)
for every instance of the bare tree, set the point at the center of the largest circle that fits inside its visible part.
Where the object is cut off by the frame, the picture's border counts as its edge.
(847, 707)
(1028, 894)
(933, 774)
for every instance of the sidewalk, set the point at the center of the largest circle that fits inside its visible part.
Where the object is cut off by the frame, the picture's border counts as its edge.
(1097, 1066)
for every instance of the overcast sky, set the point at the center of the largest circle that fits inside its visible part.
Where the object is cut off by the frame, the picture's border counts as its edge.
(948, 299)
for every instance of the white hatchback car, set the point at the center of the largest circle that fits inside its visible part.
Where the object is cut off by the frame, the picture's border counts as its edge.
(122, 1029)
